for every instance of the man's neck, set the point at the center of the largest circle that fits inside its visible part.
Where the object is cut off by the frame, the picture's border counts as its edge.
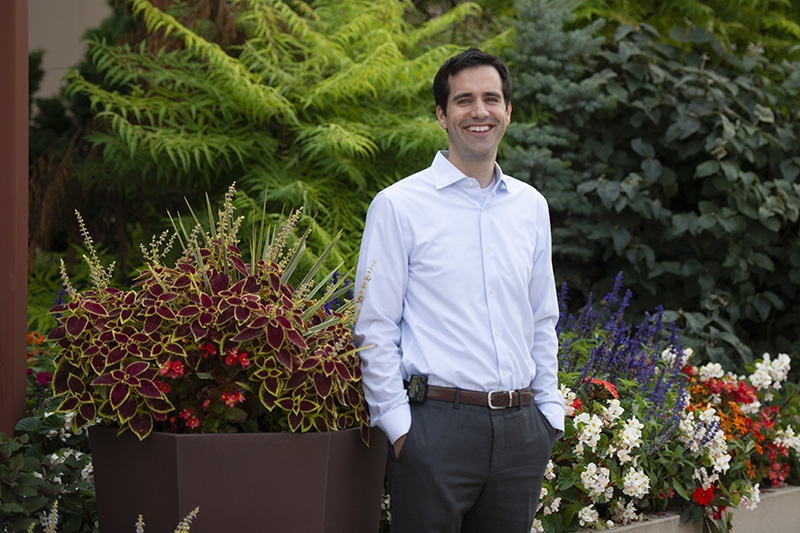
(483, 171)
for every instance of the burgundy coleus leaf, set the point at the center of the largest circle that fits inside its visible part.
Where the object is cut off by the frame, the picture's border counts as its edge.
(287, 404)
(297, 339)
(283, 321)
(186, 267)
(133, 349)
(275, 281)
(105, 410)
(206, 319)
(251, 285)
(106, 337)
(94, 307)
(239, 265)
(198, 331)
(353, 396)
(266, 397)
(295, 421)
(238, 287)
(218, 282)
(98, 363)
(61, 376)
(60, 308)
(152, 323)
(285, 358)
(167, 297)
(68, 405)
(128, 408)
(88, 411)
(189, 311)
(310, 362)
(242, 313)
(246, 335)
(148, 389)
(174, 349)
(141, 424)
(91, 351)
(159, 405)
(319, 424)
(75, 385)
(329, 367)
(119, 393)
(155, 289)
(297, 379)
(206, 300)
(259, 322)
(165, 312)
(105, 379)
(275, 336)
(134, 369)
(225, 316)
(322, 384)
(155, 351)
(57, 334)
(306, 406)
(115, 356)
(182, 282)
(343, 371)
(76, 325)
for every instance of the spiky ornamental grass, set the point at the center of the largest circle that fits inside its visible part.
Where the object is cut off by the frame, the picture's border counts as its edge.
(322, 103)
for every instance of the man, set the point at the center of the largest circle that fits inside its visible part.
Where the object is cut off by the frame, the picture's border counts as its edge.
(458, 320)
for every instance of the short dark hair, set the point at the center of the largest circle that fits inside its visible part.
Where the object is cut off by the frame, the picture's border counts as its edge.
(466, 59)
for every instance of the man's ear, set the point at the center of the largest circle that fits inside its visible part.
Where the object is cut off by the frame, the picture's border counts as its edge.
(442, 117)
(508, 114)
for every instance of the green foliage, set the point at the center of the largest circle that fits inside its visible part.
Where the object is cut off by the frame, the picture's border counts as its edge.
(557, 87)
(218, 343)
(688, 186)
(43, 465)
(736, 24)
(321, 103)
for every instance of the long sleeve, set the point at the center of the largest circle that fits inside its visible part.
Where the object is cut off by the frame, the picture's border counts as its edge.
(383, 264)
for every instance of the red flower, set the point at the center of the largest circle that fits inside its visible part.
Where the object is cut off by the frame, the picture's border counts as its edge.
(703, 496)
(608, 386)
(44, 378)
(233, 398)
(163, 386)
(577, 404)
(235, 357)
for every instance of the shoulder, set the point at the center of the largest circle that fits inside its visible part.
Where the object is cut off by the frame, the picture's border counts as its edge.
(523, 191)
(407, 191)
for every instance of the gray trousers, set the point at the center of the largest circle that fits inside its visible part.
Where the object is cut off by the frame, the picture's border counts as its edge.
(469, 469)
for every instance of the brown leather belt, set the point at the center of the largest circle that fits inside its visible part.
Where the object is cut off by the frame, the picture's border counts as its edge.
(496, 399)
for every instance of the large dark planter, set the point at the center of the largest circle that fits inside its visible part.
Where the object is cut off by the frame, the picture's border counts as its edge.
(257, 482)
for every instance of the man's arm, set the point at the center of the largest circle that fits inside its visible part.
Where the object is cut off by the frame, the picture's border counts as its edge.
(382, 274)
(544, 303)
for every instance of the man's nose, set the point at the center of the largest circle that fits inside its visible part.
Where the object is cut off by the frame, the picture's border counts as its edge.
(479, 109)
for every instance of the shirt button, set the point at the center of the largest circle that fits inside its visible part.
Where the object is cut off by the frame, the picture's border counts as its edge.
(496, 333)
(491, 291)
(488, 250)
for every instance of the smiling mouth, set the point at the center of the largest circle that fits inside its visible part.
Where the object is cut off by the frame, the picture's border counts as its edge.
(478, 129)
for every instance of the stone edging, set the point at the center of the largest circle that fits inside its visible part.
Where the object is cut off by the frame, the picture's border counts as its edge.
(777, 512)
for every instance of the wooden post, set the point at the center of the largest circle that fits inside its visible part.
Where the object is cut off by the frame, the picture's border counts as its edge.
(13, 210)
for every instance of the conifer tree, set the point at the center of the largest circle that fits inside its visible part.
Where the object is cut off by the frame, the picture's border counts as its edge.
(555, 91)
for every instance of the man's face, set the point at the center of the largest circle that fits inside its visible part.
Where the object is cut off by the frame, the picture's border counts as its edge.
(476, 117)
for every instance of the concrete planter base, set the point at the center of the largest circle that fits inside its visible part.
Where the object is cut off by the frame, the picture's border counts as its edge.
(778, 512)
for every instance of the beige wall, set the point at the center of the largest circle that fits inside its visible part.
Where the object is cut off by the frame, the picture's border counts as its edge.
(57, 26)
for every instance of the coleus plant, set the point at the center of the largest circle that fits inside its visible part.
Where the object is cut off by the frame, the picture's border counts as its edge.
(213, 344)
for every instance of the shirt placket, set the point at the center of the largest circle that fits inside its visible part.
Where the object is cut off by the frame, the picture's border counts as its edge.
(491, 280)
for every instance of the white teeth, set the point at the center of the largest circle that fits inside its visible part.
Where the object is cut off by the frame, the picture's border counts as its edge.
(478, 128)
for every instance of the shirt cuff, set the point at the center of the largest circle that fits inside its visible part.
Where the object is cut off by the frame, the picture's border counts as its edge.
(396, 422)
(555, 416)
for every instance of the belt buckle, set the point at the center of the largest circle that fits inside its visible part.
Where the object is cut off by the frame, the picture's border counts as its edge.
(492, 392)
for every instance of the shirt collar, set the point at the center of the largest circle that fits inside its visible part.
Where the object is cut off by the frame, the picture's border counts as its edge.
(446, 174)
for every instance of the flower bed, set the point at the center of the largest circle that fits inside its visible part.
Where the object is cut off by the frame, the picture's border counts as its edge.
(647, 431)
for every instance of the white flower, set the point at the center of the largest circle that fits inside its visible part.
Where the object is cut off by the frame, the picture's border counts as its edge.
(588, 515)
(549, 473)
(721, 463)
(751, 408)
(537, 526)
(710, 371)
(595, 480)
(612, 412)
(636, 484)
(632, 433)
(569, 397)
(788, 439)
(751, 499)
(671, 357)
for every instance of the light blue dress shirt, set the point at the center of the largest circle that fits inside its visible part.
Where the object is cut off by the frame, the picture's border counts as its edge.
(459, 288)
